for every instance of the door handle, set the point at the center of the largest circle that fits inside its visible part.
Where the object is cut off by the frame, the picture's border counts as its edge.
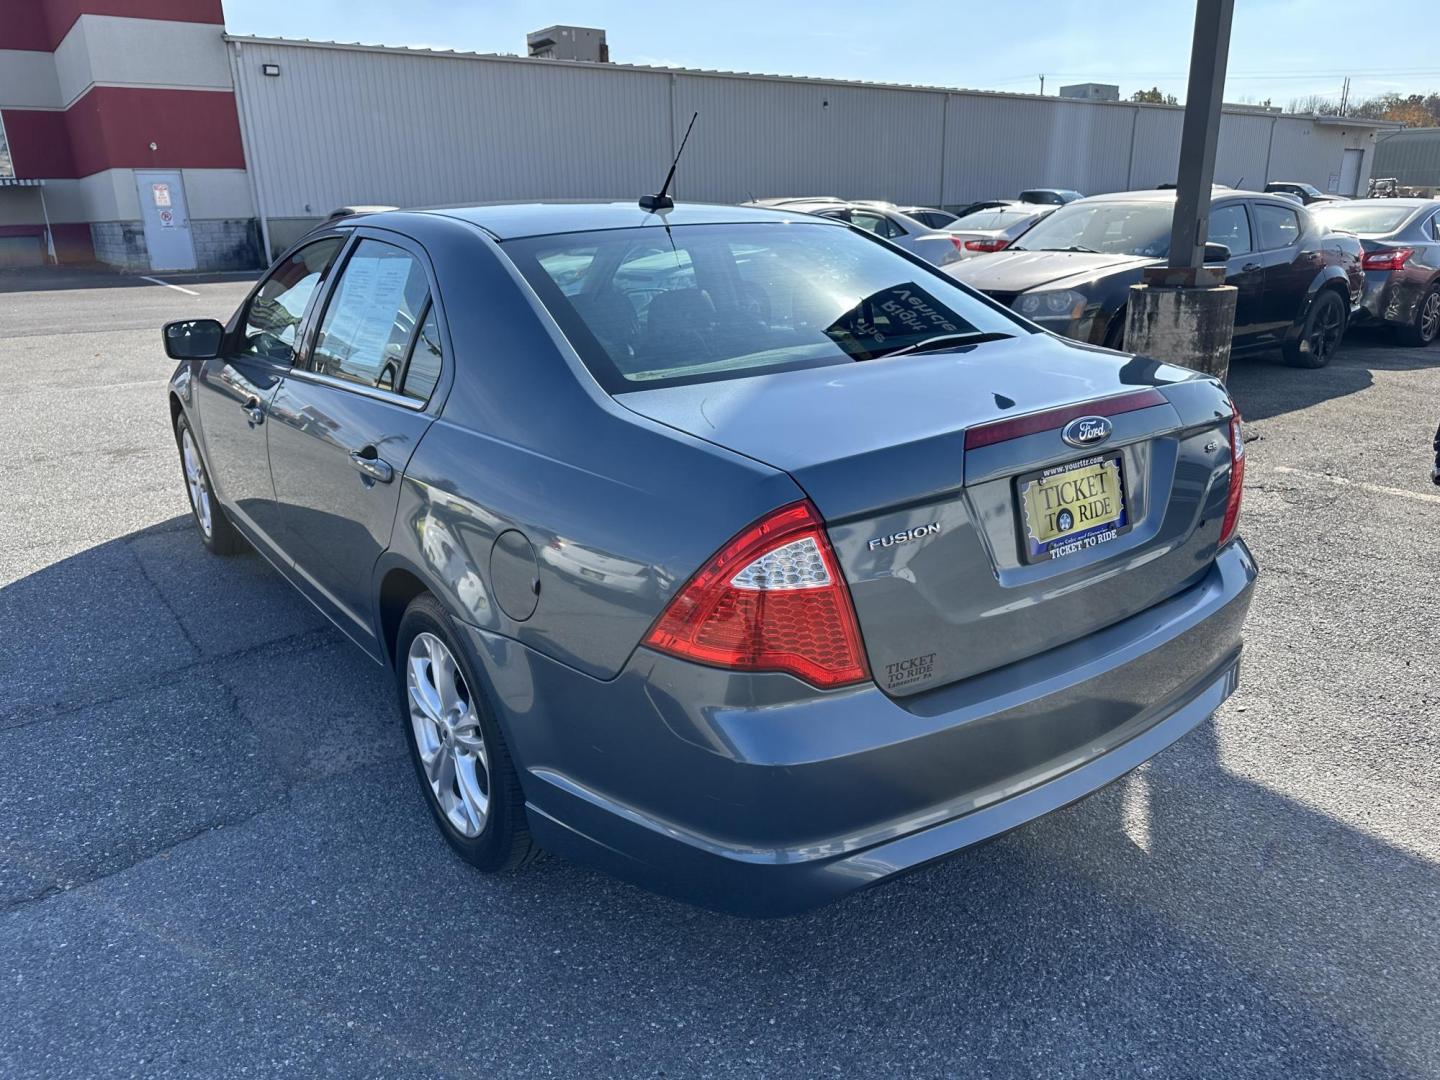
(369, 463)
(254, 411)
(1249, 268)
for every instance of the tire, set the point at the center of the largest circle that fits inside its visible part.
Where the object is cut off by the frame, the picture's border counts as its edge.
(460, 757)
(219, 536)
(1426, 327)
(1323, 331)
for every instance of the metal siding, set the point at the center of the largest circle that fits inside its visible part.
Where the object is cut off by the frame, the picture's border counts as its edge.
(1313, 152)
(1412, 157)
(997, 146)
(347, 125)
(1242, 149)
(1156, 157)
(769, 137)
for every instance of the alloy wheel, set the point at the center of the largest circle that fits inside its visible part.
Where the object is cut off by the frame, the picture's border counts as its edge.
(196, 481)
(1430, 318)
(1326, 330)
(447, 734)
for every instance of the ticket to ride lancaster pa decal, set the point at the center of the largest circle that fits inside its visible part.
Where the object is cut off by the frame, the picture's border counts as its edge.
(1073, 507)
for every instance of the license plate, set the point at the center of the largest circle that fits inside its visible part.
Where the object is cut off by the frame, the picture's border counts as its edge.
(1072, 507)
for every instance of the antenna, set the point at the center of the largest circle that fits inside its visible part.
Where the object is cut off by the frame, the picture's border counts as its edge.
(661, 200)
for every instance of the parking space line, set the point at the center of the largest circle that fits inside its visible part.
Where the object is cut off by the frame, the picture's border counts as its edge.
(167, 285)
(1374, 489)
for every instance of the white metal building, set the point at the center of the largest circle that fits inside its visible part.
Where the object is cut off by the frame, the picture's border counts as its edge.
(154, 140)
(345, 124)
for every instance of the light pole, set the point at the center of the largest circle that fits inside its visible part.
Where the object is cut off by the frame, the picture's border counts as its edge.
(1184, 312)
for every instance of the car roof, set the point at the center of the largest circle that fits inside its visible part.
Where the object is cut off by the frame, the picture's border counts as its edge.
(1167, 195)
(510, 221)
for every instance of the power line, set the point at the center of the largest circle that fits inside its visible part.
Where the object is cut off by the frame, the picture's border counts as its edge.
(1234, 75)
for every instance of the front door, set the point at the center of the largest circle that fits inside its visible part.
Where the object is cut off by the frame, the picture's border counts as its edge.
(235, 391)
(347, 419)
(166, 221)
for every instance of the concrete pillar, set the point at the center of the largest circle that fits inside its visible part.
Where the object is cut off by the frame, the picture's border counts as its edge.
(1191, 326)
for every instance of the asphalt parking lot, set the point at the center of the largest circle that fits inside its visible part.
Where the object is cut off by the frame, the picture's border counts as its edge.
(216, 861)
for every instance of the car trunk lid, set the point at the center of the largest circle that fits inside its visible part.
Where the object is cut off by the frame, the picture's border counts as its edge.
(917, 465)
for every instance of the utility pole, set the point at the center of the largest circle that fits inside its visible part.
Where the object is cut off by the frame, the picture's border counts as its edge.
(1184, 312)
(1345, 97)
(1209, 54)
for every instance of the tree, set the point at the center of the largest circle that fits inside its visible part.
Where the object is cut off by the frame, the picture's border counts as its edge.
(1416, 110)
(1154, 97)
(1314, 104)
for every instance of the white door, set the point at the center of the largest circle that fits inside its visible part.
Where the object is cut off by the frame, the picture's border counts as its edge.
(1350, 172)
(167, 224)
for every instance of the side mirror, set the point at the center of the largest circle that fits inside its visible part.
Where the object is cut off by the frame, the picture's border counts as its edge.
(1217, 253)
(193, 339)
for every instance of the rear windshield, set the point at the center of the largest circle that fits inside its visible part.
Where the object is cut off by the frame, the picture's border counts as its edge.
(936, 219)
(1362, 218)
(647, 308)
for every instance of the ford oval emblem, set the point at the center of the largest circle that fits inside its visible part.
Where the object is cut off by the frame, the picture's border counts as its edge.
(1087, 431)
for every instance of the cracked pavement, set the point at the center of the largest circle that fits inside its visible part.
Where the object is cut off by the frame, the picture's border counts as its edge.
(215, 860)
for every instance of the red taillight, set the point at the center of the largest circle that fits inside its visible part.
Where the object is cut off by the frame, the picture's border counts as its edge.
(1237, 481)
(986, 245)
(771, 600)
(1386, 259)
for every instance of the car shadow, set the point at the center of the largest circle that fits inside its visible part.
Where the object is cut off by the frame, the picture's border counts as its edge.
(1186, 921)
(1265, 386)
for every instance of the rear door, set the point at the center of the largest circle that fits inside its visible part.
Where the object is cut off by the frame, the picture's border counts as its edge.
(347, 418)
(234, 391)
(1290, 260)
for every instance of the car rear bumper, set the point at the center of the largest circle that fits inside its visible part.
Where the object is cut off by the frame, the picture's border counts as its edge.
(1391, 297)
(754, 796)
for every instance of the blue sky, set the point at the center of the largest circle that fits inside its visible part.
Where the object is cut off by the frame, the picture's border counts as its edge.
(1280, 49)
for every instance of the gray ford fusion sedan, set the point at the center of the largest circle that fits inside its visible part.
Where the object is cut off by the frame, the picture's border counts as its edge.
(737, 553)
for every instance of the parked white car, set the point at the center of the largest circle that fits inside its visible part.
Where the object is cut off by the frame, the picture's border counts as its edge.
(996, 228)
(883, 219)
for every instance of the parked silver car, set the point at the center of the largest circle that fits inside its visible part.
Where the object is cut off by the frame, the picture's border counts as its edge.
(881, 218)
(929, 215)
(995, 229)
(1401, 238)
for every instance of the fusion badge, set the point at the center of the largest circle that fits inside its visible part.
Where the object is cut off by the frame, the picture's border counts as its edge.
(905, 536)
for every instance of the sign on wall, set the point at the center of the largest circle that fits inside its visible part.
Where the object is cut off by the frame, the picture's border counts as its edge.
(161, 194)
